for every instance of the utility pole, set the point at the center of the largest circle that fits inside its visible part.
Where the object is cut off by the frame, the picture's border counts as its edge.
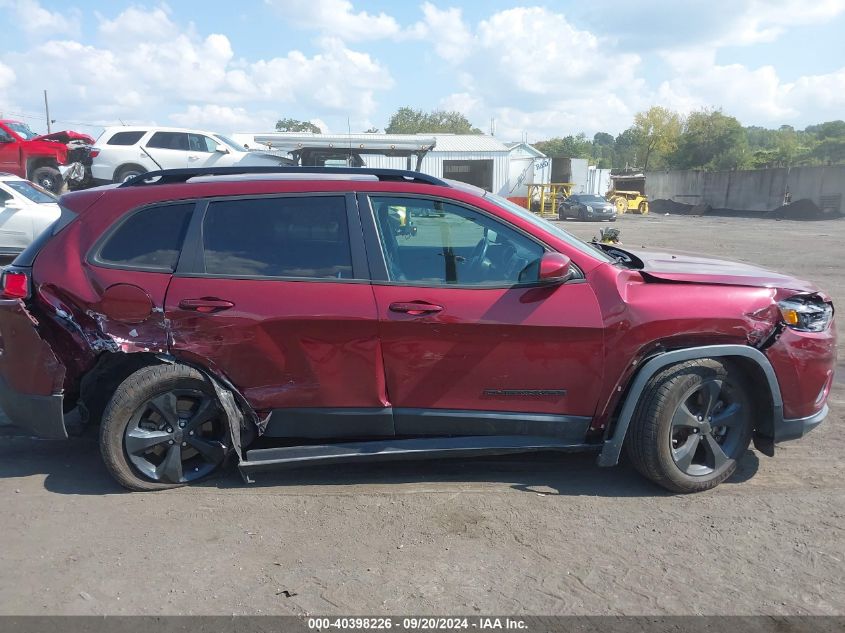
(47, 108)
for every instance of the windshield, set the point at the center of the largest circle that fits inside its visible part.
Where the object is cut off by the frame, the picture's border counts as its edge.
(31, 191)
(22, 130)
(232, 144)
(544, 224)
(591, 199)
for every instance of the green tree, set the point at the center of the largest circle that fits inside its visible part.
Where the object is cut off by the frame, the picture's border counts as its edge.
(295, 125)
(711, 140)
(410, 121)
(567, 146)
(625, 149)
(657, 131)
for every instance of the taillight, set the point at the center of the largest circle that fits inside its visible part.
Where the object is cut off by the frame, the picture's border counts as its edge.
(15, 285)
(94, 152)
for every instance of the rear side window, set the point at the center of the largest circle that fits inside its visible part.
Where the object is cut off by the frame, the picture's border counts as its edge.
(150, 239)
(278, 237)
(125, 138)
(169, 140)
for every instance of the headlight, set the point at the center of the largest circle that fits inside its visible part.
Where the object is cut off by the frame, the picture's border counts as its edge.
(589, 208)
(806, 313)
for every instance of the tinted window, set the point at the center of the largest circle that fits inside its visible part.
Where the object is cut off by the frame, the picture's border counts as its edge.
(125, 138)
(151, 238)
(169, 140)
(278, 237)
(435, 242)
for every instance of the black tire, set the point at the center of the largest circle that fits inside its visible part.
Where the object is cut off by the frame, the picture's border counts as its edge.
(582, 215)
(48, 177)
(128, 171)
(675, 439)
(158, 415)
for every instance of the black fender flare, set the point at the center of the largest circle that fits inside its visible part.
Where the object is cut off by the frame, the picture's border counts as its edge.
(612, 447)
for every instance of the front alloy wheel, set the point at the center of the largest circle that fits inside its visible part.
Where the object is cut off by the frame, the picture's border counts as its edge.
(707, 427)
(693, 422)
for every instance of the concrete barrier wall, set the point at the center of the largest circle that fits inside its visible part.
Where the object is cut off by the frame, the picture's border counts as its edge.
(750, 190)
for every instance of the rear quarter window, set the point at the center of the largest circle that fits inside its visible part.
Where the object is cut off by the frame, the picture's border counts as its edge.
(125, 138)
(148, 239)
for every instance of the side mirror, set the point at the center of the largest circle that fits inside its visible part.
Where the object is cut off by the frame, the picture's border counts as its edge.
(554, 268)
(222, 149)
(13, 204)
(5, 138)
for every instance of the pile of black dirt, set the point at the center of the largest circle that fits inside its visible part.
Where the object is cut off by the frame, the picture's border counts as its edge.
(804, 209)
(669, 206)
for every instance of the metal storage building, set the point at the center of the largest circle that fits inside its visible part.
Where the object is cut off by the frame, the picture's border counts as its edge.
(477, 159)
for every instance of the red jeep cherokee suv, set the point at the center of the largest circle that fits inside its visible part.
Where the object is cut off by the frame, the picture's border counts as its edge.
(189, 313)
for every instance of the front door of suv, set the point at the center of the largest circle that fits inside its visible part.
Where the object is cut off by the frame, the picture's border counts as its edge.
(272, 293)
(472, 344)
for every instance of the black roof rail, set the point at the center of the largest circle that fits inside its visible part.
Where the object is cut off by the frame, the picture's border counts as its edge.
(173, 176)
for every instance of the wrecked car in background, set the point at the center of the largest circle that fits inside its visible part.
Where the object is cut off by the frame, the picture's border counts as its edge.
(49, 160)
(188, 312)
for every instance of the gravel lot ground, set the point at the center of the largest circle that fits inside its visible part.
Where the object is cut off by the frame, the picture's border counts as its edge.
(541, 534)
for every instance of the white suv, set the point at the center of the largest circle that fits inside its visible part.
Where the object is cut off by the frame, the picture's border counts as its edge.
(125, 152)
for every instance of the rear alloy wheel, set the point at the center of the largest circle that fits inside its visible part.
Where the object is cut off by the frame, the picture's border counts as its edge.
(693, 422)
(163, 428)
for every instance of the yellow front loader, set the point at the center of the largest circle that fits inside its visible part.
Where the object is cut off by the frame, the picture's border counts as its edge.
(625, 201)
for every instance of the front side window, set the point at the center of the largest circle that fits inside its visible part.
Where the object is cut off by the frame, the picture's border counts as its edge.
(433, 242)
(201, 143)
(150, 239)
(22, 130)
(305, 237)
(169, 140)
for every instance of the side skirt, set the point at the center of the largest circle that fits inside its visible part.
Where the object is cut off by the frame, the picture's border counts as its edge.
(417, 448)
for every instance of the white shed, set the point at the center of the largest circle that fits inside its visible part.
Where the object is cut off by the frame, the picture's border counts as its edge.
(478, 159)
(528, 165)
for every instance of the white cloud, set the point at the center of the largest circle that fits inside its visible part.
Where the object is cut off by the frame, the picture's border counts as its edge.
(767, 20)
(146, 66)
(224, 119)
(35, 20)
(446, 30)
(512, 70)
(337, 18)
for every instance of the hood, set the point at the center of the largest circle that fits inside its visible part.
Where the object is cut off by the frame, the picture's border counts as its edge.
(65, 136)
(684, 267)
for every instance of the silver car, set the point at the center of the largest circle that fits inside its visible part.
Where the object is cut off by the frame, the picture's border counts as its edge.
(25, 210)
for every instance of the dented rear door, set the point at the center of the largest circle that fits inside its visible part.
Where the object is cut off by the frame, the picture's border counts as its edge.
(276, 299)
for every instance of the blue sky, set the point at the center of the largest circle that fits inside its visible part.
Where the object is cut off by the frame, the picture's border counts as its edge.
(540, 69)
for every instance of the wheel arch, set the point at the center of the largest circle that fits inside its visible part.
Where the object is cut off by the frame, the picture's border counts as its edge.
(124, 166)
(34, 162)
(759, 369)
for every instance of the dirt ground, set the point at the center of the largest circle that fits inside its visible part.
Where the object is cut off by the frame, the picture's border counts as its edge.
(538, 534)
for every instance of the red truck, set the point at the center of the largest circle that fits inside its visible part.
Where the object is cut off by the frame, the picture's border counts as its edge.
(45, 159)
